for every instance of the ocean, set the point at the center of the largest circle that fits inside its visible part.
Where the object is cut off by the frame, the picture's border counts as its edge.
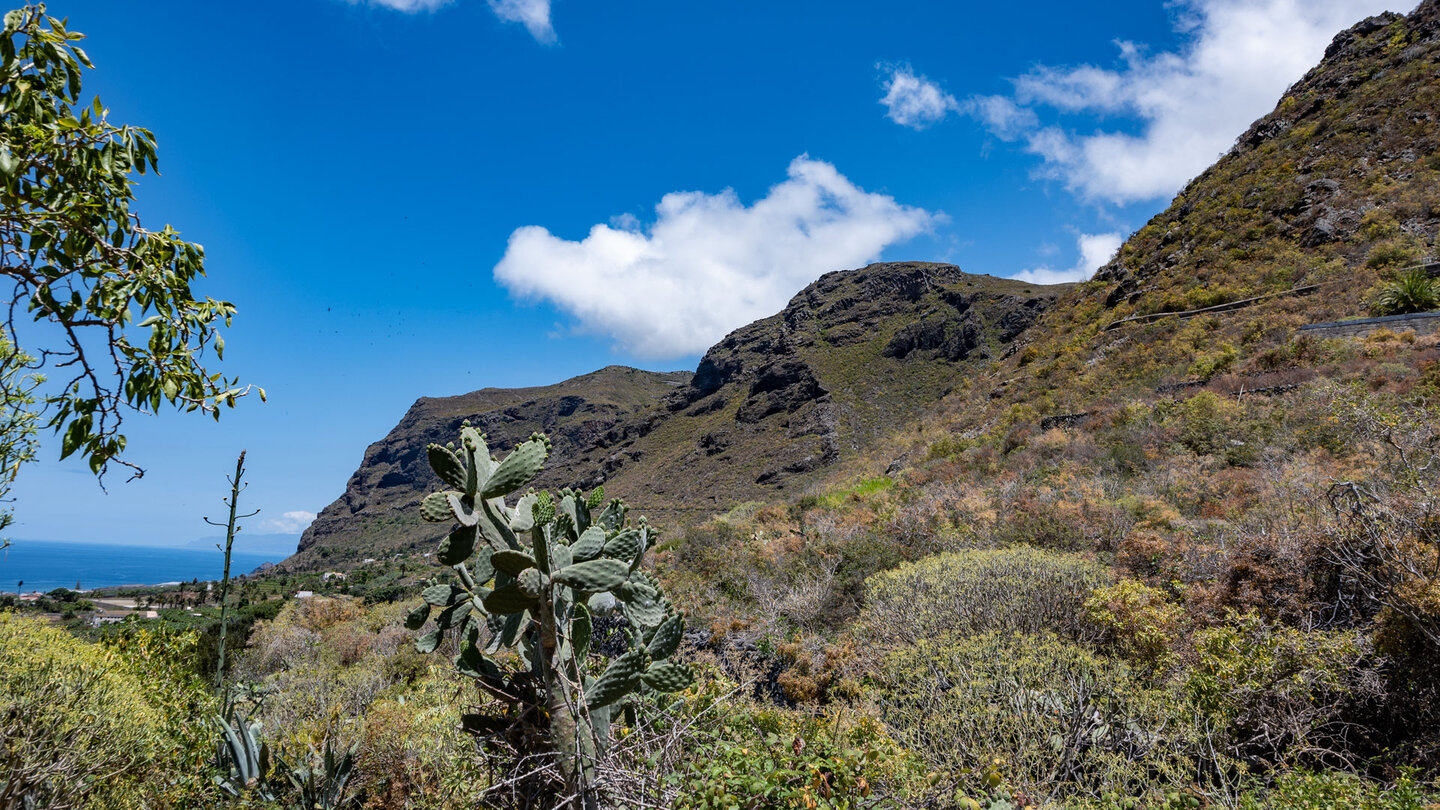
(46, 565)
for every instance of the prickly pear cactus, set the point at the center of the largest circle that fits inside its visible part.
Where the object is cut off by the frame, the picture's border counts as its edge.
(533, 577)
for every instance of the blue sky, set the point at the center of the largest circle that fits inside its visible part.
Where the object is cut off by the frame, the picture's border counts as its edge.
(418, 197)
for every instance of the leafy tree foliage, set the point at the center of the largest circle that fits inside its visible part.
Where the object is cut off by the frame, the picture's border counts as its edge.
(110, 301)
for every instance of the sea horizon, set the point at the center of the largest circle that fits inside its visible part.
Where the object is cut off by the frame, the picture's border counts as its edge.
(43, 565)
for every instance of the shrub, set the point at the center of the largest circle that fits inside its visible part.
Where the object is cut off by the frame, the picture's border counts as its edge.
(735, 753)
(1141, 625)
(1281, 692)
(1013, 590)
(1411, 291)
(1213, 425)
(411, 757)
(1047, 715)
(83, 725)
(1323, 791)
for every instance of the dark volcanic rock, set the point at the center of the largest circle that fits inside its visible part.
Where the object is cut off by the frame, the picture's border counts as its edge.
(578, 414)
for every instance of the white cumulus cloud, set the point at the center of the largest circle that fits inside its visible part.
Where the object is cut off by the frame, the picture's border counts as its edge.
(1095, 250)
(289, 523)
(914, 101)
(1239, 57)
(708, 264)
(533, 14)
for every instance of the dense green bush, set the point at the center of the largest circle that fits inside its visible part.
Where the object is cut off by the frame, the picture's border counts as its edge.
(106, 727)
(1020, 590)
(1281, 693)
(737, 754)
(1139, 622)
(1041, 714)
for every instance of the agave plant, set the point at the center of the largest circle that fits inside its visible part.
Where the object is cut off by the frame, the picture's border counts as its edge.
(1411, 291)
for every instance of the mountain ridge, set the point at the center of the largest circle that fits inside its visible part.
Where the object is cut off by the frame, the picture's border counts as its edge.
(768, 408)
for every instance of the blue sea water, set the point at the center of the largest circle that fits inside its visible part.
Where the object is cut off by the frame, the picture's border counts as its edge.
(45, 565)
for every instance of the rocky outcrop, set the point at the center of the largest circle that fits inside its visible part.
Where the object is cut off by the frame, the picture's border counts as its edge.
(379, 508)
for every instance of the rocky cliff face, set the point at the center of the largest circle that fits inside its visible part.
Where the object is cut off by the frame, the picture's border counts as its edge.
(852, 358)
(379, 510)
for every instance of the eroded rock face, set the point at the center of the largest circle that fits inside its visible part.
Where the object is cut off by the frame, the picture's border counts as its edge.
(578, 414)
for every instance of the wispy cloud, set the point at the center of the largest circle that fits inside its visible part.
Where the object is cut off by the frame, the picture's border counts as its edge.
(533, 14)
(914, 101)
(708, 263)
(288, 523)
(1191, 104)
(1095, 250)
(406, 6)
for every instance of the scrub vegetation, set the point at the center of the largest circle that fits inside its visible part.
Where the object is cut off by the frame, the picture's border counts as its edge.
(1122, 555)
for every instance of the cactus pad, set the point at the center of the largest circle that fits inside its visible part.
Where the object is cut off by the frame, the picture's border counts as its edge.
(441, 595)
(590, 544)
(618, 680)
(436, 507)
(518, 468)
(668, 676)
(457, 547)
(511, 561)
(509, 599)
(446, 465)
(594, 575)
(667, 637)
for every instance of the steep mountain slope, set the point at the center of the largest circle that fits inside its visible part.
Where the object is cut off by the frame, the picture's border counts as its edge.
(851, 357)
(1317, 204)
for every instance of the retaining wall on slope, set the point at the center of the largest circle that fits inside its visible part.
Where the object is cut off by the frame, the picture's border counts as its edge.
(1424, 323)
